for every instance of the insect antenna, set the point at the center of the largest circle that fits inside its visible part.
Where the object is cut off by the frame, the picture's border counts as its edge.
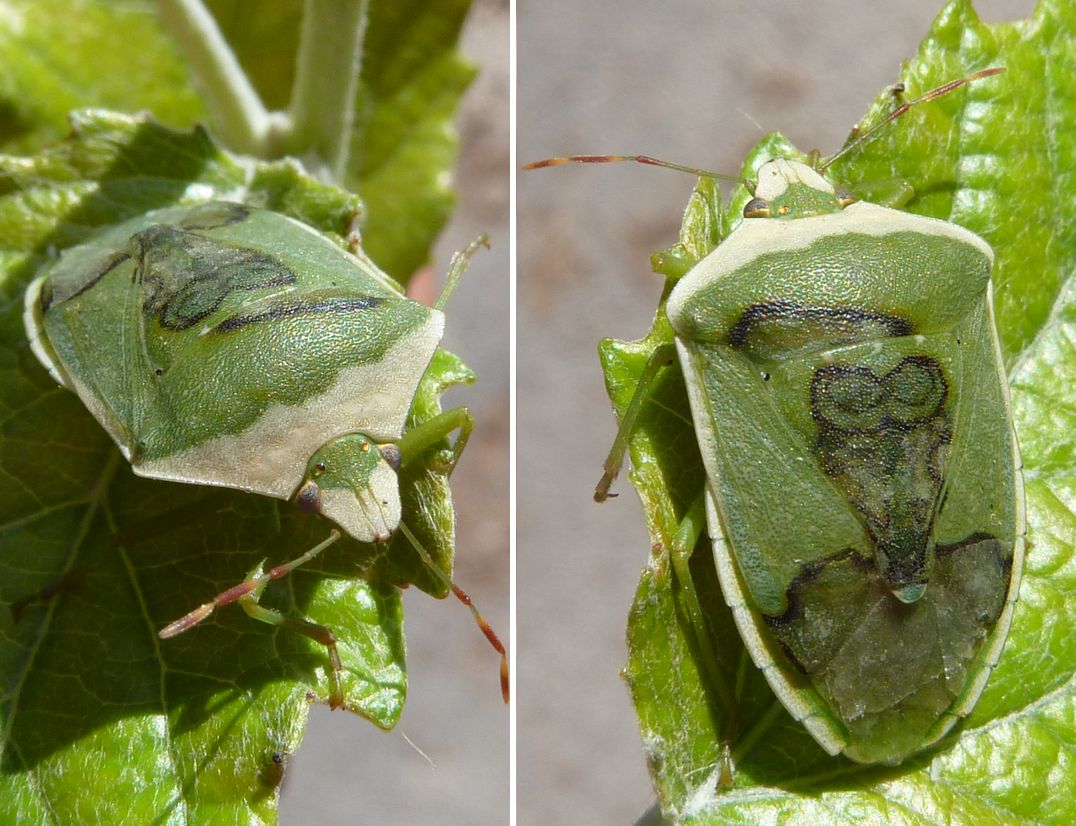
(462, 596)
(859, 139)
(643, 159)
(932, 94)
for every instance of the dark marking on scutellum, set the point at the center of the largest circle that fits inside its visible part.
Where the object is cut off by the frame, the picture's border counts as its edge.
(867, 567)
(837, 317)
(878, 405)
(107, 266)
(335, 305)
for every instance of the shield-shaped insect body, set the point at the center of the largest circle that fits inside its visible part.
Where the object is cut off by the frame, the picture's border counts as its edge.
(225, 345)
(863, 478)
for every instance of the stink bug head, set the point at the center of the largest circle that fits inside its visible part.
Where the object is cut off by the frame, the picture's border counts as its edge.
(352, 481)
(788, 189)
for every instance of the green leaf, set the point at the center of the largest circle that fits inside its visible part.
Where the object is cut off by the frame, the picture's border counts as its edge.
(60, 55)
(997, 158)
(94, 561)
(404, 142)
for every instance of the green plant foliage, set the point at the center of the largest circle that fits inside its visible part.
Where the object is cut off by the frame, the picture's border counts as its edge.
(403, 140)
(94, 561)
(404, 143)
(996, 158)
(60, 55)
(96, 713)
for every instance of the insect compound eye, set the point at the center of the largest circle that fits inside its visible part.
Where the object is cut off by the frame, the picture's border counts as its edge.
(756, 208)
(391, 455)
(844, 197)
(308, 499)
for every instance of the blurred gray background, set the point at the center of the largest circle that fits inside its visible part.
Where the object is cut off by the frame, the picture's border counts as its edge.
(690, 81)
(348, 771)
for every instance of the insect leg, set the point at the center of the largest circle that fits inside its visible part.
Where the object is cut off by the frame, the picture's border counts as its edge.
(318, 633)
(688, 533)
(460, 261)
(249, 591)
(423, 436)
(662, 356)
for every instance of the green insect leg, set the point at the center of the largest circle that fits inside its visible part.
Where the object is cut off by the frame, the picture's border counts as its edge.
(249, 591)
(888, 192)
(420, 438)
(318, 633)
(662, 357)
(416, 442)
(691, 528)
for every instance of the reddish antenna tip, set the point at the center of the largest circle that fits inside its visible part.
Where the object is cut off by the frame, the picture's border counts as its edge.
(544, 164)
(490, 635)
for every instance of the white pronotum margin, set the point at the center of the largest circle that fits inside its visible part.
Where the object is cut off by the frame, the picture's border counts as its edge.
(270, 456)
(758, 236)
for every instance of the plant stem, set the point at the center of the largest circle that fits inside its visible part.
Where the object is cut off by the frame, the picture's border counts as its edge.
(322, 107)
(236, 111)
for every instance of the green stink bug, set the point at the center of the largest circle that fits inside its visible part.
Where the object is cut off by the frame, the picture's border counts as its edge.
(224, 345)
(863, 489)
(861, 458)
